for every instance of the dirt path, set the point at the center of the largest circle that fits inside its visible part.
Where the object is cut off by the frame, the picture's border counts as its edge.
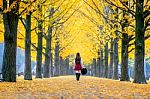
(66, 87)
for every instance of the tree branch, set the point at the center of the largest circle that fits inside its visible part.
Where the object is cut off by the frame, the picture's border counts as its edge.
(22, 21)
(131, 50)
(146, 37)
(131, 37)
(130, 11)
(146, 13)
(26, 8)
(147, 23)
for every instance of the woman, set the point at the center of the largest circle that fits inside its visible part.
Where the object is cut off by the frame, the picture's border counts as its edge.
(78, 66)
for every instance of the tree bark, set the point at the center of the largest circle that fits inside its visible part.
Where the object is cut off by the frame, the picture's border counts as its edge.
(106, 61)
(124, 49)
(110, 74)
(124, 58)
(10, 20)
(94, 67)
(39, 47)
(67, 65)
(51, 64)
(61, 66)
(56, 61)
(97, 74)
(46, 73)
(101, 64)
(115, 72)
(28, 71)
(48, 47)
(139, 76)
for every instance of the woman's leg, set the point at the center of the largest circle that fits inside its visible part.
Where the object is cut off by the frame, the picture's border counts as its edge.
(76, 76)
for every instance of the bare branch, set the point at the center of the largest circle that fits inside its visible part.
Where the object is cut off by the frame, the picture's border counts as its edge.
(36, 48)
(26, 8)
(146, 13)
(130, 11)
(21, 47)
(148, 29)
(131, 50)
(34, 28)
(55, 9)
(146, 4)
(147, 23)
(148, 36)
(22, 21)
(131, 37)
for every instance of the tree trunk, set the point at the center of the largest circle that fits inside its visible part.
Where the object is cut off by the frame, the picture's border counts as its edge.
(39, 57)
(94, 67)
(39, 47)
(51, 64)
(124, 50)
(106, 61)
(124, 58)
(67, 65)
(110, 74)
(115, 72)
(98, 67)
(61, 66)
(101, 64)
(28, 71)
(47, 54)
(139, 76)
(71, 70)
(48, 47)
(10, 20)
(56, 61)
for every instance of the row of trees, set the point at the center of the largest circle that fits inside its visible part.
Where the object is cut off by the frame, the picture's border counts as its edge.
(127, 21)
(43, 18)
(116, 21)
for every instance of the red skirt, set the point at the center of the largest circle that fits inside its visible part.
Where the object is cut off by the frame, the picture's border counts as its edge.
(78, 67)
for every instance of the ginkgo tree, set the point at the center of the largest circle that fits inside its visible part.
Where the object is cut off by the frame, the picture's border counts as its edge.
(104, 18)
(141, 13)
(53, 30)
(10, 20)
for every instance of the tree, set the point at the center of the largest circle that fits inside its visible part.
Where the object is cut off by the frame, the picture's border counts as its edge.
(110, 73)
(106, 60)
(10, 19)
(39, 47)
(56, 60)
(48, 47)
(28, 71)
(101, 63)
(140, 13)
(67, 65)
(139, 76)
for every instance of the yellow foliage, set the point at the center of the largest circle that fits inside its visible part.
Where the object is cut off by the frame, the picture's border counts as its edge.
(1, 30)
(1, 3)
(86, 31)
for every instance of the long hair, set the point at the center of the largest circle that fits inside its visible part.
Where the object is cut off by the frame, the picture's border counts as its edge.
(78, 59)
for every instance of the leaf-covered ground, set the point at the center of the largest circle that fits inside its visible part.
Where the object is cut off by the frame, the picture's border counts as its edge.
(66, 87)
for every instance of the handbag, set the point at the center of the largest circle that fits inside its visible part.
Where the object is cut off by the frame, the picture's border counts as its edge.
(83, 71)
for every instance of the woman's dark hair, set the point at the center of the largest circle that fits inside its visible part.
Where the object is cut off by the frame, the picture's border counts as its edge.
(78, 59)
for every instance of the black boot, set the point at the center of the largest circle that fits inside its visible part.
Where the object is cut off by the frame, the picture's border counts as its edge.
(78, 77)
